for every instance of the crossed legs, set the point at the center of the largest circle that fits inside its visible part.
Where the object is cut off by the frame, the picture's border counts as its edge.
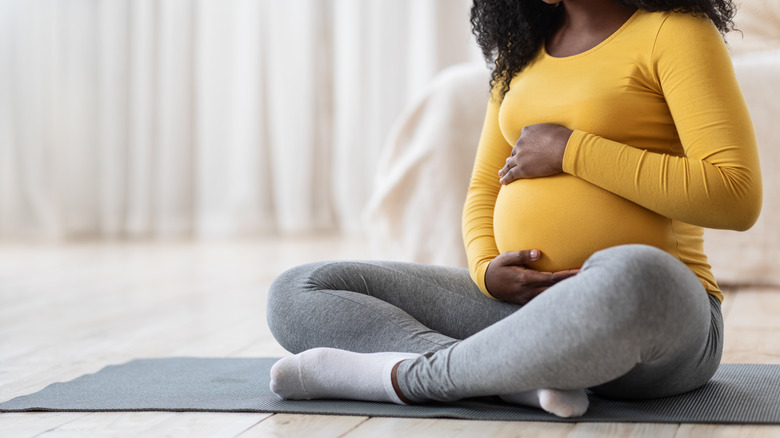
(635, 323)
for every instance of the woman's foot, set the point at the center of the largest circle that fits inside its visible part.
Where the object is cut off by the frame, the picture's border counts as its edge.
(331, 373)
(564, 404)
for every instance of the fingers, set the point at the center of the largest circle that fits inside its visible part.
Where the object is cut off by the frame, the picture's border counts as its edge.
(509, 161)
(531, 277)
(537, 279)
(507, 167)
(507, 177)
(508, 278)
(511, 171)
(521, 257)
(563, 275)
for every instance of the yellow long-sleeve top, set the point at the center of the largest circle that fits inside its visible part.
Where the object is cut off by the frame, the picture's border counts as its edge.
(663, 145)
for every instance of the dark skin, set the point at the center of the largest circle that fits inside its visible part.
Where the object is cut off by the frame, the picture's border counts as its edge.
(539, 151)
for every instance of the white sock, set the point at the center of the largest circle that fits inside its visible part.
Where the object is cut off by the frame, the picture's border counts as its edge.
(564, 404)
(330, 373)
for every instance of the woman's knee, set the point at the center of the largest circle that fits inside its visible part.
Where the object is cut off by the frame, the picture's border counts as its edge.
(642, 266)
(645, 278)
(631, 258)
(287, 304)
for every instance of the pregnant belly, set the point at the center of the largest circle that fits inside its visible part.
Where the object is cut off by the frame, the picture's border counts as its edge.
(569, 219)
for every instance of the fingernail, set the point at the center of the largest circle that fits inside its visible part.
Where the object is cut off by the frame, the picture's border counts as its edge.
(534, 253)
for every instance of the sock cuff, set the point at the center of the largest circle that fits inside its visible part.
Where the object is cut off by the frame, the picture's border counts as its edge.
(391, 385)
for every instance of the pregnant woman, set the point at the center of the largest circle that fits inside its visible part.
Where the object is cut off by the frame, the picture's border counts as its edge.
(614, 133)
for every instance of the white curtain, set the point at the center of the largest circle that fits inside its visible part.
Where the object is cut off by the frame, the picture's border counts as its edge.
(206, 118)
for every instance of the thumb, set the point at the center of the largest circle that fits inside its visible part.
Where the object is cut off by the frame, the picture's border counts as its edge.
(523, 257)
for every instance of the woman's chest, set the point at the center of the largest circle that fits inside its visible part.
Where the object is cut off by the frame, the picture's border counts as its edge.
(616, 100)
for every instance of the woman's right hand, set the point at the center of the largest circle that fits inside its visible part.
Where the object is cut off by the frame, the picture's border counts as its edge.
(508, 278)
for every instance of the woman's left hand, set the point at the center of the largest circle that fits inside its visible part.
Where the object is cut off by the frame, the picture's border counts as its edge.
(538, 153)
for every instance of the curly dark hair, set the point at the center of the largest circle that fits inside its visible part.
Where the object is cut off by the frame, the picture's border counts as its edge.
(510, 32)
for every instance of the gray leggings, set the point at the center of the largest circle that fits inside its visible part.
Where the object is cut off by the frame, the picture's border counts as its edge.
(634, 323)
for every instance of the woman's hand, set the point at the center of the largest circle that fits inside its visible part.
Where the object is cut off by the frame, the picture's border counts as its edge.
(507, 277)
(538, 153)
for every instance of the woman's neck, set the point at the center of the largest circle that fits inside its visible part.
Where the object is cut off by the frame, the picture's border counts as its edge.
(584, 24)
(587, 14)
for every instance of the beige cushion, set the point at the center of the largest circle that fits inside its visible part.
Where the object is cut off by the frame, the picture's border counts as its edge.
(759, 23)
(414, 212)
(753, 257)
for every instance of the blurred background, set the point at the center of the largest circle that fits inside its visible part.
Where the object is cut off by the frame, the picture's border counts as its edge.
(162, 161)
(202, 119)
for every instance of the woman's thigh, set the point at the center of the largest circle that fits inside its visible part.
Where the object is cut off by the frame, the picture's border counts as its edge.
(635, 323)
(691, 361)
(378, 306)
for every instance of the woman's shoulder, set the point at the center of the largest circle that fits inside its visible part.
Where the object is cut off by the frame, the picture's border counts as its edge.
(676, 34)
(677, 25)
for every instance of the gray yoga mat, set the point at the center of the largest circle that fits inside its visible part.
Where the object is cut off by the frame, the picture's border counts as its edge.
(739, 393)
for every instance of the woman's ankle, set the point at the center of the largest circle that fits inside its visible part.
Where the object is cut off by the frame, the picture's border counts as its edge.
(396, 386)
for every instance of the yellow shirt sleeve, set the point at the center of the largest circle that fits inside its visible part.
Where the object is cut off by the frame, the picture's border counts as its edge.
(480, 200)
(717, 183)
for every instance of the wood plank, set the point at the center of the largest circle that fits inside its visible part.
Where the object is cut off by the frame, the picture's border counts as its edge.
(152, 424)
(751, 345)
(751, 327)
(759, 431)
(728, 431)
(633, 430)
(309, 426)
(21, 424)
(205, 424)
(755, 308)
(266, 346)
(427, 427)
(108, 424)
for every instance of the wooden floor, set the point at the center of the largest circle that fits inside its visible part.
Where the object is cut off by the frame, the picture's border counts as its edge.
(67, 310)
